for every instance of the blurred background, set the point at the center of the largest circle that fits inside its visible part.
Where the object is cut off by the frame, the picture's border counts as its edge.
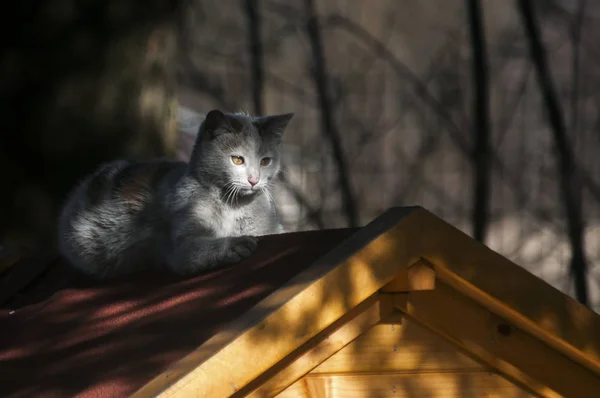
(484, 112)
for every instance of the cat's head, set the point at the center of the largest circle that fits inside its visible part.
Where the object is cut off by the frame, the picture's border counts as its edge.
(237, 152)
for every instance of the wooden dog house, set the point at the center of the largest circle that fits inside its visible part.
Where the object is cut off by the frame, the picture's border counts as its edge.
(407, 306)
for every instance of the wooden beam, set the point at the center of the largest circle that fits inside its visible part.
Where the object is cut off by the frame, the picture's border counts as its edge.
(320, 348)
(498, 343)
(293, 314)
(405, 385)
(419, 276)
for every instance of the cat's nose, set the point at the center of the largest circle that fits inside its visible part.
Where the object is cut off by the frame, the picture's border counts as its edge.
(253, 180)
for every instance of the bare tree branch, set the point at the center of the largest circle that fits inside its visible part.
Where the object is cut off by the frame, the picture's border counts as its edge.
(278, 82)
(255, 50)
(576, 27)
(372, 131)
(570, 184)
(423, 93)
(480, 129)
(404, 72)
(330, 130)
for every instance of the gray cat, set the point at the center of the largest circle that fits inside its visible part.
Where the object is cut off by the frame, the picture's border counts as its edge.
(189, 217)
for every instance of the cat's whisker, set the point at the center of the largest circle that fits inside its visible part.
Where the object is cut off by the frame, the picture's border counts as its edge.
(226, 198)
(269, 186)
(237, 191)
(229, 200)
(227, 191)
(269, 194)
(232, 197)
(264, 192)
(232, 194)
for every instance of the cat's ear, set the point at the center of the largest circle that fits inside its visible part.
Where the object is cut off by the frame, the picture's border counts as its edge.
(273, 125)
(215, 120)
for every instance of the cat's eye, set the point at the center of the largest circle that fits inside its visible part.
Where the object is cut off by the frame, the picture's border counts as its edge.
(237, 160)
(265, 161)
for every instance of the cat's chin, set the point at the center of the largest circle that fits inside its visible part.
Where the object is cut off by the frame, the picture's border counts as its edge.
(247, 192)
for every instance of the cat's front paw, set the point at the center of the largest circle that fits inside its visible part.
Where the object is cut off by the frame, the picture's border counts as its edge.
(239, 248)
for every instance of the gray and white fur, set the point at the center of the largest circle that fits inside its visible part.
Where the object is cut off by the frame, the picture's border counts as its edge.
(129, 217)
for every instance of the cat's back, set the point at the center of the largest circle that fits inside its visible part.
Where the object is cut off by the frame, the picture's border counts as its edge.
(115, 209)
(130, 186)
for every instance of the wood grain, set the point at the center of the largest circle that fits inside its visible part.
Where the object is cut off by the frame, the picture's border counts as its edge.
(409, 385)
(402, 347)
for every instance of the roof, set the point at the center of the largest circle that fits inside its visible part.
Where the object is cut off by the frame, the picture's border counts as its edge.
(70, 336)
(264, 325)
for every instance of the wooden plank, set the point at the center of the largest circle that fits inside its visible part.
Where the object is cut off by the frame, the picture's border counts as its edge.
(494, 341)
(405, 346)
(419, 276)
(409, 385)
(507, 289)
(293, 314)
(321, 347)
(304, 389)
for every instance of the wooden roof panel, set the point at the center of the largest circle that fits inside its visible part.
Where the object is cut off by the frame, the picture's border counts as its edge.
(109, 339)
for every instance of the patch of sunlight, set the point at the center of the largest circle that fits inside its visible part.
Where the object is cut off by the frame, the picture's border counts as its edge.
(152, 100)
(546, 254)
(360, 272)
(544, 250)
(506, 234)
(308, 306)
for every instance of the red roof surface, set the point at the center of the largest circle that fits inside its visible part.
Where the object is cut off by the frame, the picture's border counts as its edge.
(62, 334)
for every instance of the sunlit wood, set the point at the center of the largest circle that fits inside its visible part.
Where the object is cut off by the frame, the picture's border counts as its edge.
(419, 276)
(322, 349)
(409, 385)
(400, 347)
